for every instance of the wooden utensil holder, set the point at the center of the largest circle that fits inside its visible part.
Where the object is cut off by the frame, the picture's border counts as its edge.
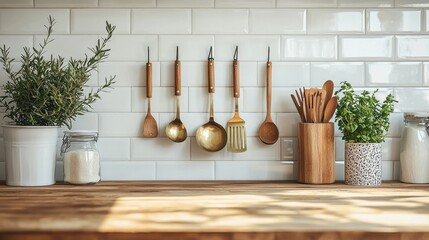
(316, 153)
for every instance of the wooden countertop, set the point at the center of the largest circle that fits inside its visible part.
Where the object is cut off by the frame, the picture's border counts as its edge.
(215, 211)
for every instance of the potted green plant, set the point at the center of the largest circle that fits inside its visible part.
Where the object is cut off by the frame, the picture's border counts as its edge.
(364, 122)
(42, 95)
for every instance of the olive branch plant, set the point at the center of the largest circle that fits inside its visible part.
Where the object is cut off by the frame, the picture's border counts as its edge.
(48, 91)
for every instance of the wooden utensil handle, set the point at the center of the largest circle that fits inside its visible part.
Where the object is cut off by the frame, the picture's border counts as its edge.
(177, 78)
(236, 78)
(211, 76)
(269, 87)
(149, 80)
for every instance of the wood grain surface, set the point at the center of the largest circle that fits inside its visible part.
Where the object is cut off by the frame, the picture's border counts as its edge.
(316, 153)
(215, 211)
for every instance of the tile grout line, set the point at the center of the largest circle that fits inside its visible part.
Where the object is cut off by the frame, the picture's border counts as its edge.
(131, 21)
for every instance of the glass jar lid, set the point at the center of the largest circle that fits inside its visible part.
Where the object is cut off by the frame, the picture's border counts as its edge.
(81, 135)
(78, 136)
(416, 117)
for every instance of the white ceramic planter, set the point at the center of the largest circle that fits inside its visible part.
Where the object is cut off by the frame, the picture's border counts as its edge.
(30, 155)
(363, 164)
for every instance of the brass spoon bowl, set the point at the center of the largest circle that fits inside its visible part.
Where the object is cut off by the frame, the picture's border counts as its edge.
(176, 131)
(211, 136)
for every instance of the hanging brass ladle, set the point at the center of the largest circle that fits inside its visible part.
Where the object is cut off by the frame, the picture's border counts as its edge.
(176, 130)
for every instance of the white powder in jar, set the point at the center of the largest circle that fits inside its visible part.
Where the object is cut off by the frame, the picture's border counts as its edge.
(81, 166)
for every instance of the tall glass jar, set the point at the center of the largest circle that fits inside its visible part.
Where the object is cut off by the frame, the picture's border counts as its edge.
(81, 157)
(415, 148)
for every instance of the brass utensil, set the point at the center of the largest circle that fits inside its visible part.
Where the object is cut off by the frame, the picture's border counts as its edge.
(211, 136)
(150, 128)
(237, 141)
(176, 130)
(268, 131)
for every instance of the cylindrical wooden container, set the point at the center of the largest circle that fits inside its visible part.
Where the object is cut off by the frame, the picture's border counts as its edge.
(316, 153)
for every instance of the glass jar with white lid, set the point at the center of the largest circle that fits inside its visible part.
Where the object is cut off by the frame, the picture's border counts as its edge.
(414, 154)
(81, 158)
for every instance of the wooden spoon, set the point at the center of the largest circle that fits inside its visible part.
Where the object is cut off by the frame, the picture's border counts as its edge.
(330, 109)
(268, 131)
(328, 86)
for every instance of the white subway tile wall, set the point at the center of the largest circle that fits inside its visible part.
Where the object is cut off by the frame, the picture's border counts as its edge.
(16, 3)
(180, 3)
(394, 20)
(321, 21)
(161, 21)
(309, 48)
(370, 48)
(220, 21)
(65, 3)
(16, 43)
(307, 3)
(33, 21)
(245, 3)
(93, 21)
(127, 3)
(370, 43)
(365, 3)
(68, 46)
(266, 21)
(411, 3)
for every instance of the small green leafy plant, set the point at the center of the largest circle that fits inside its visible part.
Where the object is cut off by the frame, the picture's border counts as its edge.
(49, 91)
(361, 117)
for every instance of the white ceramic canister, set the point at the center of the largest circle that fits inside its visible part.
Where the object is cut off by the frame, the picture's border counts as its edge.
(30, 153)
(415, 148)
(81, 157)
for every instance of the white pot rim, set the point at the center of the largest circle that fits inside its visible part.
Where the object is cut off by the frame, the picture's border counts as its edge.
(30, 127)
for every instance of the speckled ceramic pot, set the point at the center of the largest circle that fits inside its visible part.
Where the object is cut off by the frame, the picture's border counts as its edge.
(363, 164)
